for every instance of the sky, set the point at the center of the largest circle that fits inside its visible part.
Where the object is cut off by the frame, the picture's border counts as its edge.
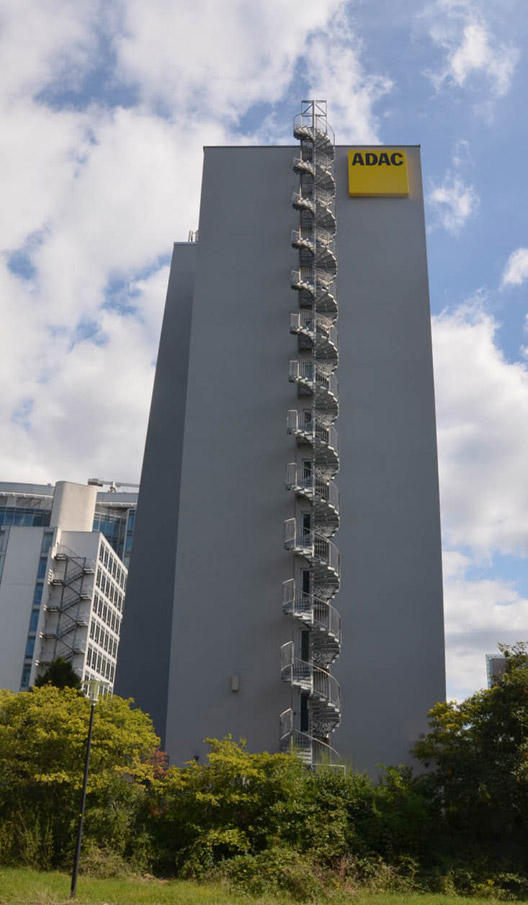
(105, 106)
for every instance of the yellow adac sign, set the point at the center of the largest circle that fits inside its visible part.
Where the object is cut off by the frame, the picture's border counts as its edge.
(377, 171)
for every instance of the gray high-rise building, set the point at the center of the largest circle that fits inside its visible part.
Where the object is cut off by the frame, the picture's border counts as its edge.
(286, 583)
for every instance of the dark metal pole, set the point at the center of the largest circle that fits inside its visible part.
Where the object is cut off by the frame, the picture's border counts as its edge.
(73, 887)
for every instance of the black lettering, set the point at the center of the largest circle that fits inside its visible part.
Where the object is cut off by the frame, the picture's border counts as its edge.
(384, 158)
(397, 163)
(371, 159)
(358, 159)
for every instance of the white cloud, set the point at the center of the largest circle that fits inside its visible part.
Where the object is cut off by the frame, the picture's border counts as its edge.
(333, 60)
(453, 202)
(43, 40)
(473, 53)
(516, 270)
(479, 613)
(482, 414)
(218, 58)
(97, 193)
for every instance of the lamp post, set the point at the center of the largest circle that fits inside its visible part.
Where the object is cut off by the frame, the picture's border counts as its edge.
(93, 694)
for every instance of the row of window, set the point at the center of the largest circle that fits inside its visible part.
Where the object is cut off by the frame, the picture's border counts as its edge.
(3, 546)
(47, 540)
(109, 589)
(107, 614)
(100, 664)
(103, 638)
(112, 566)
(28, 518)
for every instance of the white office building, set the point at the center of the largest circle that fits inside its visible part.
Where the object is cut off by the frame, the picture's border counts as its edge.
(62, 585)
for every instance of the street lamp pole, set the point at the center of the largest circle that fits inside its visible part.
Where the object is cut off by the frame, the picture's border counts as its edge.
(73, 888)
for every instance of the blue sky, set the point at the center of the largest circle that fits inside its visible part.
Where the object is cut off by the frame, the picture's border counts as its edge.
(104, 108)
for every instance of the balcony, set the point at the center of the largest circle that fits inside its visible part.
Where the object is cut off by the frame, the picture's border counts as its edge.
(318, 434)
(321, 492)
(320, 616)
(322, 688)
(313, 379)
(319, 551)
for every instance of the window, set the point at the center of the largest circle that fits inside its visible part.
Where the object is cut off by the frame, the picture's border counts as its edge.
(37, 596)
(26, 672)
(42, 566)
(305, 716)
(47, 541)
(33, 622)
(30, 647)
(306, 527)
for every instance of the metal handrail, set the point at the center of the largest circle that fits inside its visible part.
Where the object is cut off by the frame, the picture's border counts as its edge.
(312, 321)
(311, 279)
(320, 683)
(321, 198)
(316, 377)
(309, 608)
(311, 751)
(313, 431)
(317, 167)
(313, 127)
(312, 485)
(322, 238)
(311, 544)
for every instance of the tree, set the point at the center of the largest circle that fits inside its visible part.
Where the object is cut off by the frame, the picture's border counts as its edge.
(42, 749)
(61, 674)
(478, 752)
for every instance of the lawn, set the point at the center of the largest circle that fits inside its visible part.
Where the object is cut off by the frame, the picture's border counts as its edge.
(27, 887)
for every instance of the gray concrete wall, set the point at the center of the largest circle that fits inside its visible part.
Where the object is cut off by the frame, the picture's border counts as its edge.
(16, 597)
(392, 663)
(231, 563)
(143, 663)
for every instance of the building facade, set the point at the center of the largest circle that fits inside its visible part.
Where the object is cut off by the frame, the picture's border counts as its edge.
(248, 611)
(30, 505)
(62, 586)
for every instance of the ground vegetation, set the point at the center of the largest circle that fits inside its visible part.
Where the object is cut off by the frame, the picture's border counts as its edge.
(263, 824)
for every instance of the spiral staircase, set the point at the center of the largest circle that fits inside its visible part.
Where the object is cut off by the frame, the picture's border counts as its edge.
(306, 659)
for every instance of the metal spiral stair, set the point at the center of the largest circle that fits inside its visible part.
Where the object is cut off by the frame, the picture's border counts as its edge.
(314, 379)
(316, 248)
(320, 435)
(320, 616)
(321, 686)
(319, 168)
(321, 554)
(306, 726)
(311, 751)
(315, 291)
(317, 332)
(320, 491)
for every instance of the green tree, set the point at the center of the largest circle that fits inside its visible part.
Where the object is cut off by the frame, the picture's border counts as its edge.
(60, 673)
(478, 754)
(42, 748)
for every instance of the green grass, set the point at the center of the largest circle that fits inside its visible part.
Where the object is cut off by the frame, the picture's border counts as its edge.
(28, 887)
